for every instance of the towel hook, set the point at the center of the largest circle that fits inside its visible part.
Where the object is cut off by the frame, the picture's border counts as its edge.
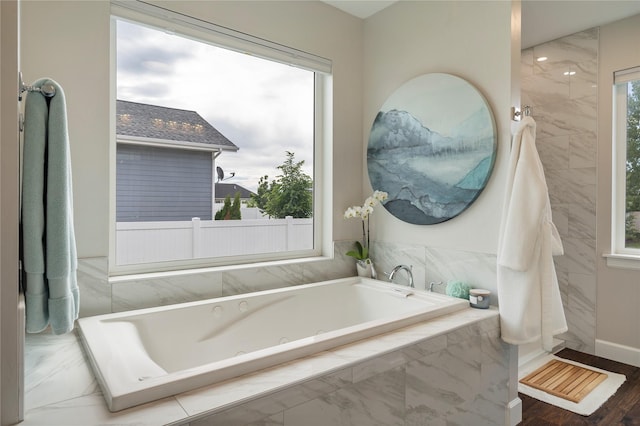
(516, 114)
(47, 89)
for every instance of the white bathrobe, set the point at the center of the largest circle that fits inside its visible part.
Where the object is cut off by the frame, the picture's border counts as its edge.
(528, 292)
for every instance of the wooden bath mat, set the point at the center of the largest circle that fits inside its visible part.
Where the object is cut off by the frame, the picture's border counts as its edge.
(564, 380)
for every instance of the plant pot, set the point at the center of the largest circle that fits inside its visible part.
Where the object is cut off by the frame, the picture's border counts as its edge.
(365, 268)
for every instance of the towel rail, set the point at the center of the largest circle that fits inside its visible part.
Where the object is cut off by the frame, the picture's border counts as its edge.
(47, 89)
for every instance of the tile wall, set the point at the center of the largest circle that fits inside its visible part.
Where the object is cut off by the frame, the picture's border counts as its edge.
(453, 369)
(98, 296)
(455, 378)
(562, 92)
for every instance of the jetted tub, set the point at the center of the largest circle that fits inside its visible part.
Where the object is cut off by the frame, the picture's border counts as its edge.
(140, 356)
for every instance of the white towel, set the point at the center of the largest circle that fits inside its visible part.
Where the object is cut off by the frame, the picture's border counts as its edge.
(528, 293)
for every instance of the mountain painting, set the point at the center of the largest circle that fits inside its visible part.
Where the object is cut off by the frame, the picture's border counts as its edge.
(432, 148)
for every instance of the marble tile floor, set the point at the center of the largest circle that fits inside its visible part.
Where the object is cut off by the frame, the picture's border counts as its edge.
(60, 387)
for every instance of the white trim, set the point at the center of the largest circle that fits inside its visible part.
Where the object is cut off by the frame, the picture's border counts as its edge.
(622, 261)
(617, 352)
(165, 143)
(152, 16)
(620, 256)
(513, 412)
(627, 75)
(618, 168)
(217, 35)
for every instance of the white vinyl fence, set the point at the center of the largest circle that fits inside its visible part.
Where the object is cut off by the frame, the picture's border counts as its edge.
(144, 242)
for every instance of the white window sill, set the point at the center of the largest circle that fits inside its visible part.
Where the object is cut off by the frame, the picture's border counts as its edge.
(623, 261)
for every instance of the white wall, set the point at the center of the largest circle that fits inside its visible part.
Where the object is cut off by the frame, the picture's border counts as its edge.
(76, 55)
(471, 40)
(11, 328)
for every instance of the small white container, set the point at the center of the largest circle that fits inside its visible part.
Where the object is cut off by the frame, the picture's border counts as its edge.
(479, 298)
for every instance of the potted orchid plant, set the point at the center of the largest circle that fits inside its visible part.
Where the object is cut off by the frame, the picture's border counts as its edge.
(361, 253)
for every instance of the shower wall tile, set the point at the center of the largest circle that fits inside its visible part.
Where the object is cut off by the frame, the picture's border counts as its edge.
(582, 310)
(566, 117)
(571, 177)
(582, 222)
(583, 195)
(545, 88)
(560, 216)
(564, 52)
(585, 82)
(147, 293)
(582, 150)
(95, 290)
(554, 152)
(581, 255)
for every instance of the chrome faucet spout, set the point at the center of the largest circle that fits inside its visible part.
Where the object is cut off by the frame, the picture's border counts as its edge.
(393, 272)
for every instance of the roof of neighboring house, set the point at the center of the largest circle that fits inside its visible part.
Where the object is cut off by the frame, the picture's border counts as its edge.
(230, 189)
(170, 124)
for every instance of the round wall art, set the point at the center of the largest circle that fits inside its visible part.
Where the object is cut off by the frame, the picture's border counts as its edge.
(432, 148)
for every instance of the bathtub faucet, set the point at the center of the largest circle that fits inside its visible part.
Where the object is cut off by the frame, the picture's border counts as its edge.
(393, 272)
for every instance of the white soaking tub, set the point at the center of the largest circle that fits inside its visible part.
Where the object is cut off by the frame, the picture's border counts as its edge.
(140, 356)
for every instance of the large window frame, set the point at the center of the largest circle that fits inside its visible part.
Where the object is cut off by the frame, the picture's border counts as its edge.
(621, 255)
(153, 16)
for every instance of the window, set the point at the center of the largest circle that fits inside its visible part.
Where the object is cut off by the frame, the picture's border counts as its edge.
(626, 167)
(215, 133)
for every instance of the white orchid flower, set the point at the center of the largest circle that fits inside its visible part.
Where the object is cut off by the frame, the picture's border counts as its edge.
(366, 211)
(370, 202)
(380, 195)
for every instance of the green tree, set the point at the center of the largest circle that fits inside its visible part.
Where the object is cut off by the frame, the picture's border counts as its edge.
(229, 211)
(633, 148)
(633, 163)
(235, 208)
(261, 197)
(289, 194)
(224, 213)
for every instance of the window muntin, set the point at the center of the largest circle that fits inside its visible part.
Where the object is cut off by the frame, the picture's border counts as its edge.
(281, 136)
(626, 166)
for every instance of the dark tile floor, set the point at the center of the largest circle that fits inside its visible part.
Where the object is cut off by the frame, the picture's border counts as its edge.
(623, 408)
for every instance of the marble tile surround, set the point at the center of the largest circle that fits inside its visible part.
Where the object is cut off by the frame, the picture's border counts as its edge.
(450, 370)
(98, 296)
(565, 110)
(438, 265)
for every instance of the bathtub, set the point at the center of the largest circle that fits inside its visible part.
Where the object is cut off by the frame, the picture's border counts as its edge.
(148, 354)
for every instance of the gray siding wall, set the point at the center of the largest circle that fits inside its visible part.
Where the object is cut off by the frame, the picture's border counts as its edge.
(156, 184)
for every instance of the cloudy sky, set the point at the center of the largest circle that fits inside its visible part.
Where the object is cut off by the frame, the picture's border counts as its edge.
(265, 108)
